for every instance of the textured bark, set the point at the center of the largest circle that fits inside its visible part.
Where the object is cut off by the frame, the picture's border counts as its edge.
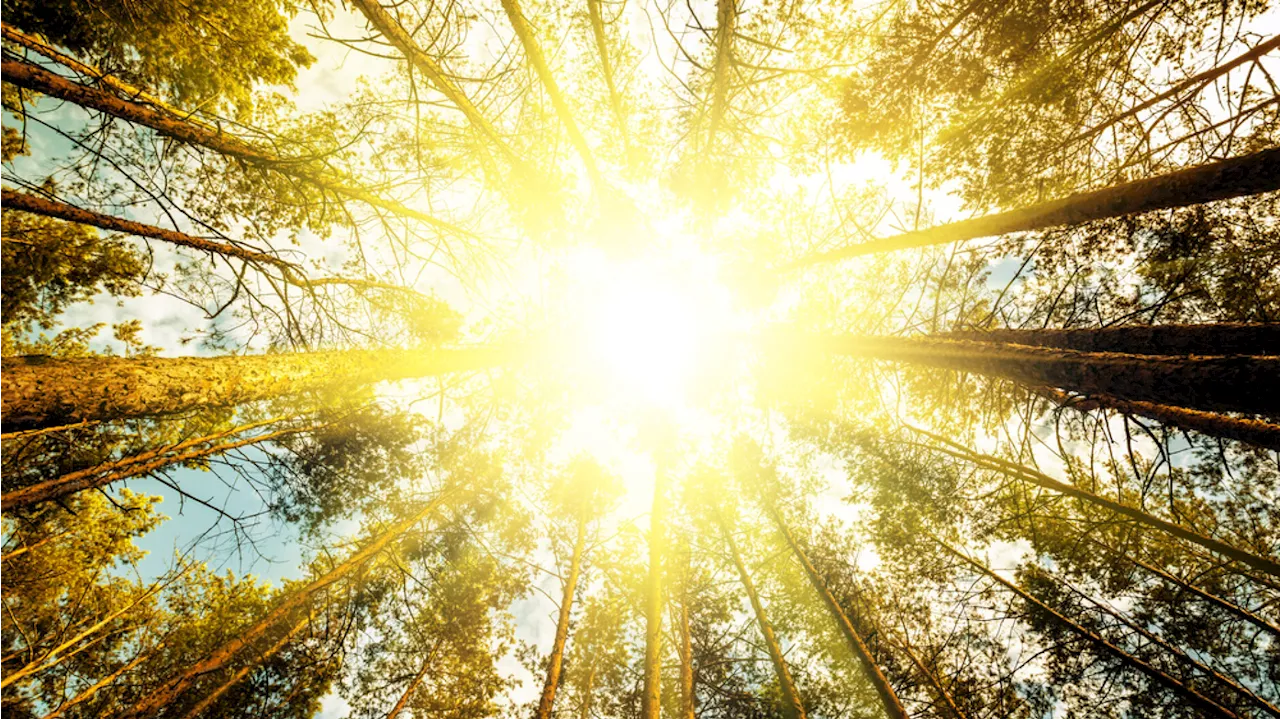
(390, 28)
(944, 696)
(533, 51)
(1253, 431)
(651, 698)
(403, 701)
(1234, 383)
(1017, 471)
(238, 675)
(33, 77)
(52, 208)
(40, 391)
(792, 707)
(141, 464)
(158, 698)
(726, 26)
(1098, 640)
(1238, 177)
(552, 682)
(686, 662)
(888, 697)
(1226, 338)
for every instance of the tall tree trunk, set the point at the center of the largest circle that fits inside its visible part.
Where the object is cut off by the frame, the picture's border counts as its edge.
(1238, 177)
(1027, 474)
(726, 27)
(596, 16)
(552, 683)
(39, 391)
(1225, 338)
(141, 464)
(32, 77)
(1242, 429)
(1098, 640)
(390, 28)
(587, 693)
(238, 675)
(651, 699)
(687, 697)
(163, 695)
(89, 692)
(888, 697)
(1234, 383)
(403, 701)
(939, 690)
(533, 51)
(792, 707)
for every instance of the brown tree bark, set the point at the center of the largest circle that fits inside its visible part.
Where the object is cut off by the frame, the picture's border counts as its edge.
(39, 391)
(552, 682)
(1238, 177)
(1251, 431)
(792, 707)
(33, 77)
(935, 683)
(1027, 474)
(141, 464)
(403, 701)
(94, 688)
(238, 675)
(390, 28)
(888, 697)
(651, 698)
(163, 695)
(1098, 640)
(1234, 383)
(1226, 338)
(533, 51)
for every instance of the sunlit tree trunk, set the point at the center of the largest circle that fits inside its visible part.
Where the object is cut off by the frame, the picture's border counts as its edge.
(1243, 429)
(141, 464)
(40, 391)
(238, 675)
(792, 707)
(90, 691)
(1238, 177)
(1098, 640)
(1226, 338)
(935, 683)
(165, 694)
(533, 50)
(651, 698)
(686, 660)
(1027, 474)
(1213, 599)
(888, 697)
(562, 624)
(1232, 383)
(405, 696)
(726, 24)
(32, 77)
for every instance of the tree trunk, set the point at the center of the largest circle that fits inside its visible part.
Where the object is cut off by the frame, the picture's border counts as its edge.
(944, 696)
(238, 675)
(1233, 383)
(390, 28)
(1242, 429)
(686, 661)
(726, 24)
(888, 697)
(93, 689)
(1237, 177)
(1226, 338)
(533, 51)
(1098, 640)
(587, 690)
(165, 694)
(1026, 474)
(140, 464)
(562, 625)
(403, 701)
(40, 391)
(651, 699)
(792, 707)
(33, 77)
(596, 17)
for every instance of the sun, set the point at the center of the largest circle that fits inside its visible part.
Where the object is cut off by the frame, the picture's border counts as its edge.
(648, 330)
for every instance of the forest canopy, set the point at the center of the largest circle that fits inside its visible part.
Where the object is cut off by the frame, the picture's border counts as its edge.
(609, 359)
